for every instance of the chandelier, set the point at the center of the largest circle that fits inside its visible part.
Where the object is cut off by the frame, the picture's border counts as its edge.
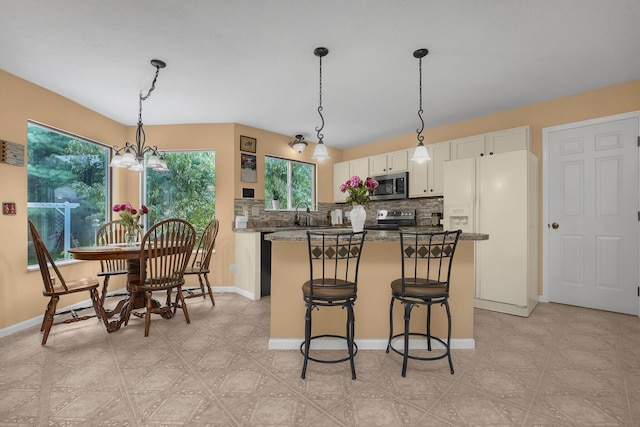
(421, 154)
(132, 156)
(320, 152)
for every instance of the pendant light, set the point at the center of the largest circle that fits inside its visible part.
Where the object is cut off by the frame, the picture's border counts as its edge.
(320, 152)
(132, 156)
(421, 154)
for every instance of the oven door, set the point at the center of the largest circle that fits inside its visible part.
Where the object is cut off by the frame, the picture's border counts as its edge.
(392, 186)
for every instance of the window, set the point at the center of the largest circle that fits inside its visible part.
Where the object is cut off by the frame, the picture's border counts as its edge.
(187, 191)
(67, 190)
(289, 181)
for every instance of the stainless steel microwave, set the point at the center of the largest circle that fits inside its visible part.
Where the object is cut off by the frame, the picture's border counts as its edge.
(391, 186)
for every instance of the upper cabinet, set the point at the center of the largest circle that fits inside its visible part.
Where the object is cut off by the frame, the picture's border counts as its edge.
(343, 171)
(383, 164)
(427, 178)
(488, 144)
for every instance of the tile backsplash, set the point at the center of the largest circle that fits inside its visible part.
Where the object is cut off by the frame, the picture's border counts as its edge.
(255, 210)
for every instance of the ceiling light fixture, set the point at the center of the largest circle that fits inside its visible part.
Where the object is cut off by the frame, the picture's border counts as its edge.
(320, 152)
(298, 144)
(420, 154)
(133, 156)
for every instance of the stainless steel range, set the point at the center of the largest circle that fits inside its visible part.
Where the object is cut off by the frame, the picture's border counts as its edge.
(393, 220)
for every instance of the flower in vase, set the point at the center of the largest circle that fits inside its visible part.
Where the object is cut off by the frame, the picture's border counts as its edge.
(359, 190)
(129, 216)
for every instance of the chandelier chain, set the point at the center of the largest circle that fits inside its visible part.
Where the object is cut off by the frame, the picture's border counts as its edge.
(144, 98)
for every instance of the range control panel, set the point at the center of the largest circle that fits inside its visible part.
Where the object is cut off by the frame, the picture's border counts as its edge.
(400, 217)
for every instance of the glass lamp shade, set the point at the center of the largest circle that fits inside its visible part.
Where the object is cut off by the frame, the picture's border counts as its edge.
(153, 162)
(298, 146)
(420, 155)
(320, 152)
(116, 162)
(138, 167)
(162, 166)
(128, 159)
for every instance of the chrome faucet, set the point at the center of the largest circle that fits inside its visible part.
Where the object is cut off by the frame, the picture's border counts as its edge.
(296, 219)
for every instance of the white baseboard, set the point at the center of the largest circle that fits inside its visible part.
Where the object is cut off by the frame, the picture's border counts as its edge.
(365, 344)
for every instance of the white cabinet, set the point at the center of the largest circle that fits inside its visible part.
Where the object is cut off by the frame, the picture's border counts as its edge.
(464, 148)
(343, 171)
(427, 178)
(488, 144)
(247, 264)
(383, 164)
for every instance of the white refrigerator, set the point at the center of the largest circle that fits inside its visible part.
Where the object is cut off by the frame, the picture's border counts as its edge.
(498, 195)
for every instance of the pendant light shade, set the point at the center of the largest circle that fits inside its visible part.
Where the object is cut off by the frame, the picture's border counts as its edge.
(421, 154)
(320, 152)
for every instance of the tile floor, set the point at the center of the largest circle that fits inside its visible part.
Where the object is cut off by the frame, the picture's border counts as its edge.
(561, 366)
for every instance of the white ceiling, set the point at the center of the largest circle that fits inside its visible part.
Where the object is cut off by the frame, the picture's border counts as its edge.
(252, 61)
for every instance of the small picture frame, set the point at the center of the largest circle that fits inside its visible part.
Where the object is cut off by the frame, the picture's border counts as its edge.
(8, 208)
(248, 144)
(248, 172)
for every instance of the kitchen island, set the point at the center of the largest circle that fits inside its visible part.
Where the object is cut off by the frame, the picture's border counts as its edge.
(379, 265)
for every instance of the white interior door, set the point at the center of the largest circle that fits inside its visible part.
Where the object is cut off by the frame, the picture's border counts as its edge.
(592, 197)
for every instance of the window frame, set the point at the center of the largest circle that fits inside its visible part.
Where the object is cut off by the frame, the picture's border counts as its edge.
(143, 179)
(108, 182)
(289, 202)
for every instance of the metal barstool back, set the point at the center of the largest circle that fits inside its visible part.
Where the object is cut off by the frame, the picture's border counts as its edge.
(427, 258)
(334, 260)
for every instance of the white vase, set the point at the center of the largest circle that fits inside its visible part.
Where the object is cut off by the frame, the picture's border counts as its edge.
(358, 217)
(275, 204)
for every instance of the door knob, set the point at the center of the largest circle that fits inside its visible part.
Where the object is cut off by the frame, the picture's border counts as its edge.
(555, 225)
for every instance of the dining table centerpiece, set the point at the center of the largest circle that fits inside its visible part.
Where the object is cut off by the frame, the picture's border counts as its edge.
(130, 220)
(359, 193)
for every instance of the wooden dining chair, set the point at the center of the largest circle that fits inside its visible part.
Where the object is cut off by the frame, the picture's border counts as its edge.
(56, 286)
(200, 263)
(164, 254)
(111, 233)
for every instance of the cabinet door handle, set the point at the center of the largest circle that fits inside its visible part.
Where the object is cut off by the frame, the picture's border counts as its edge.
(491, 153)
(481, 154)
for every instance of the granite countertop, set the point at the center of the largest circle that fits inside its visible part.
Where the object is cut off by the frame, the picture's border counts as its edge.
(372, 235)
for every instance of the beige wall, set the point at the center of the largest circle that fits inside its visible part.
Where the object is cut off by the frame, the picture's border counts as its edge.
(22, 101)
(20, 290)
(601, 102)
(273, 144)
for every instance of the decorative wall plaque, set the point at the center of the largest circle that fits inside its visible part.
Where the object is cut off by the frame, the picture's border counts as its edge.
(11, 153)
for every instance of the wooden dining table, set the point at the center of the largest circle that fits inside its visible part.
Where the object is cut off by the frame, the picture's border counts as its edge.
(132, 255)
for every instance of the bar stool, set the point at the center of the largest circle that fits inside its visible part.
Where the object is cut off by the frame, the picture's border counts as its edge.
(334, 258)
(426, 270)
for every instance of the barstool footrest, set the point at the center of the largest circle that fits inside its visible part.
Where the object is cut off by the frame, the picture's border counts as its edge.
(355, 349)
(440, 340)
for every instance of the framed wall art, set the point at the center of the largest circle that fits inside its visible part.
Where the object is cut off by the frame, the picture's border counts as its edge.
(248, 144)
(248, 171)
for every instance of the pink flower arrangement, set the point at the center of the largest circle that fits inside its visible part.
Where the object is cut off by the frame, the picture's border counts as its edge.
(359, 190)
(129, 216)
